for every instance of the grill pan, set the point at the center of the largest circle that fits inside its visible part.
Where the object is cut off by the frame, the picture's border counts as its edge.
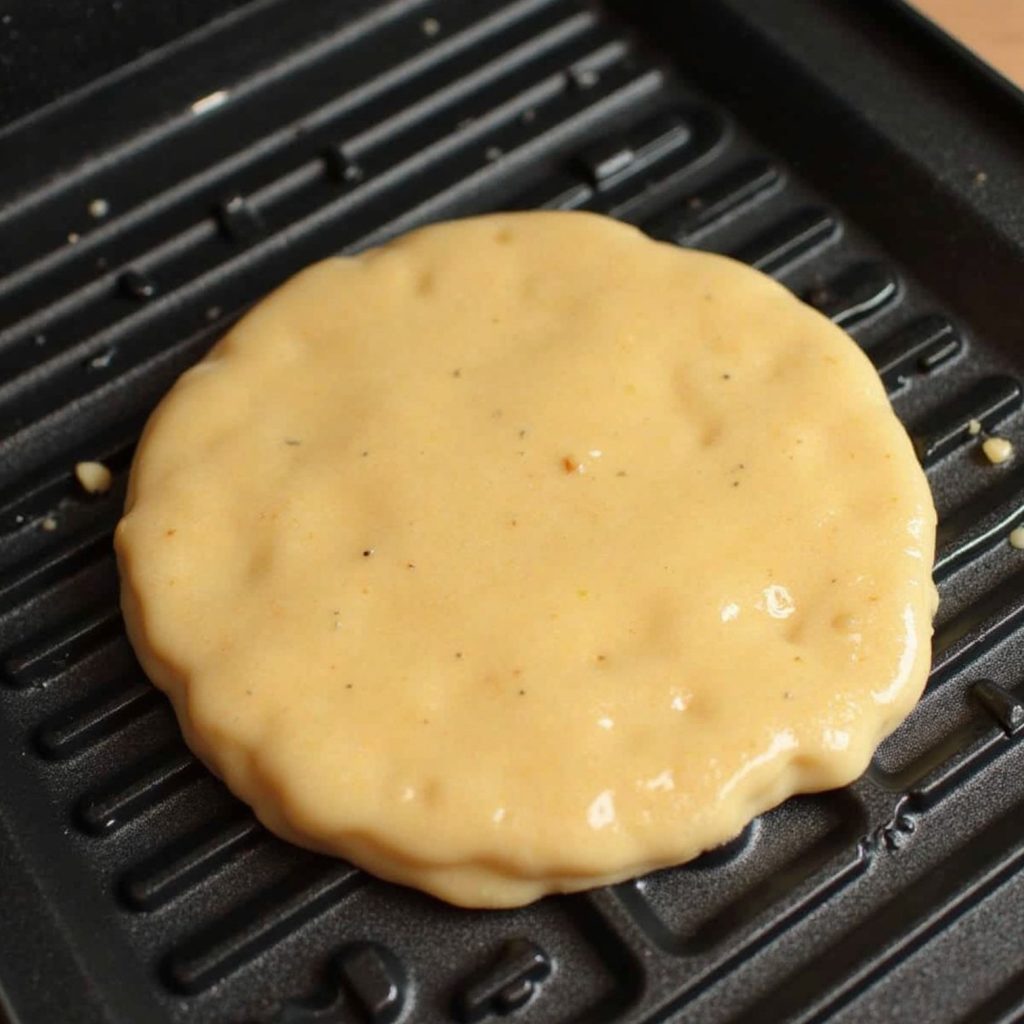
(160, 170)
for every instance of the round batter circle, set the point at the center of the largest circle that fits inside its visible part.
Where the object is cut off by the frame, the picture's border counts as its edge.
(526, 554)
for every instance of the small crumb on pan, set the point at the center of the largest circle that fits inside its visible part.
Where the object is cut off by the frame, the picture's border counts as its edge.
(94, 477)
(997, 450)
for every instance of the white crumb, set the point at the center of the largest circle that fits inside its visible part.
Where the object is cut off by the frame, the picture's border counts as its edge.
(997, 450)
(94, 477)
(1017, 538)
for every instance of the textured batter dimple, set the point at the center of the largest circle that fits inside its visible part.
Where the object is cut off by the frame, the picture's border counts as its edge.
(526, 554)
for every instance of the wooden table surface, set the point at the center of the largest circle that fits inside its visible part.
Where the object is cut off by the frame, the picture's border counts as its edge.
(994, 29)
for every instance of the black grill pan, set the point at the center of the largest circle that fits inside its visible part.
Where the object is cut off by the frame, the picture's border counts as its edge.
(164, 166)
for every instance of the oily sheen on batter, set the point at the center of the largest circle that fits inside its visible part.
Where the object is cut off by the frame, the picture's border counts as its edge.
(526, 554)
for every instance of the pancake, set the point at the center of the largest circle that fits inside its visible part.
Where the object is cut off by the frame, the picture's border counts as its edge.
(525, 554)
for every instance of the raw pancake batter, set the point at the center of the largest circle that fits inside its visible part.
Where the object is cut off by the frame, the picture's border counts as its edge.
(526, 554)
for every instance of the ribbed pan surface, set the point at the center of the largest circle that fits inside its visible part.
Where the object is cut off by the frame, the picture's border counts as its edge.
(287, 132)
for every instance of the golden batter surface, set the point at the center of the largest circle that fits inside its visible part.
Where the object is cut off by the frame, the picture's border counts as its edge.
(525, 554)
